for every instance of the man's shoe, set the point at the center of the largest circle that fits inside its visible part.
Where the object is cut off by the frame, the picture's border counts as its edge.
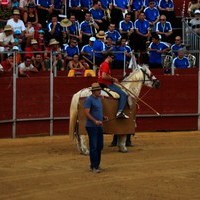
(94, 170)
(122, 115)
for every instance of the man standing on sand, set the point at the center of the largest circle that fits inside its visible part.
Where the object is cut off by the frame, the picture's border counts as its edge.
(94, 112)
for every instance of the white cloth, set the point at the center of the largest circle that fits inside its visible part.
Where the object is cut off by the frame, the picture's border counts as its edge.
(24, 68)
(19, 25)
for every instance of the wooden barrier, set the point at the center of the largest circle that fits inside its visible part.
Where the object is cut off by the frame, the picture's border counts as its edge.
(176, 100)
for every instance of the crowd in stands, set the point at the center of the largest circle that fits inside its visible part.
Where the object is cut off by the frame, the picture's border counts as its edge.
(79, 35)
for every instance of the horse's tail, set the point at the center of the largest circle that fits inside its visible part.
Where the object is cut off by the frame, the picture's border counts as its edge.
(73, 114)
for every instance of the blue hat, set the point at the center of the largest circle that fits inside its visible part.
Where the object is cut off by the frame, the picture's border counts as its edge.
(17, 32)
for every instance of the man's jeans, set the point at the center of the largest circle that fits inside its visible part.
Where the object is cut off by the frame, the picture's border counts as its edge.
(96, 145)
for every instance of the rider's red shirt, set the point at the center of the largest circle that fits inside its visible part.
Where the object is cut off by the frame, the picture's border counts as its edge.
(104, 67)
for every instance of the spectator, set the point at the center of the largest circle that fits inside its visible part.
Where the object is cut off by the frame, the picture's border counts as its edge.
(26, 66)
(58, 7)
(75, 66)
(166, 7)
(5, 14)
(152, 14)
(31, 15)
(38, 62)
(195, 22)
(41, 40)
(136, 7)
(29, 33)
(181, 61)
(98, 15)
(23, 4)
(16, 23)
(88, 28)
(58, 62)
(156, 50)
(142, 35)
(99, 47)
(18, 39)
(88, 51)
(86, 5)
(146, 3)
(6, 39)
(164, 28)
(192, 6)
(8, 64)
(176, 46)
(126, 27)
(70, 50)
(109, 44)
(113, 33)
(31, 50)
(73, 28)
(54, 29)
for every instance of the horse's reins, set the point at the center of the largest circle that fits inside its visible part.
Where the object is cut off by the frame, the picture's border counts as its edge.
(138, 98)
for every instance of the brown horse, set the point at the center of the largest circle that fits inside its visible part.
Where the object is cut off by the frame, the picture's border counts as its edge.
(132, 85)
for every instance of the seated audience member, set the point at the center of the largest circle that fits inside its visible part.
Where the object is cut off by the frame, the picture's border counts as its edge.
(58, 62)
(181, 61)
(136, 7)
(23, 5)
(16, 23)
(8, 63)
(164, 28)
(6, 39)
(126, 27)
(99, 47)
(18, 39)
(75, 66)
(152, 14)
(88, 72)
(156, 50)
(41, 40)
(38, 62)
(86, 5)
(176, 46)
(26, 66)
(18, 55)
(31, 50)
(141, 36)
(88, 51)
(195, 22)
(166, 7)
(98, 15)
(55, 29)
(109, 44)
(29, 33)
(113, 33)
(192, 6)
(31, 15)
(88, 28)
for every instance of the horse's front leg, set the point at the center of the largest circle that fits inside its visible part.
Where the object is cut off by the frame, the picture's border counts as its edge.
(122, 143)
(83, 145)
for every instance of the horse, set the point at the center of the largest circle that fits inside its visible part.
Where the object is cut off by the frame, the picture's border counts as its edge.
(132, 85)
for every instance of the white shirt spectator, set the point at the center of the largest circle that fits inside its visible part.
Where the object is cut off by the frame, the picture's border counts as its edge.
(19, 25)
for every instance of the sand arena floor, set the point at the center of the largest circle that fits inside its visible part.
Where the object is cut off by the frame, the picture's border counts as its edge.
(161, 166)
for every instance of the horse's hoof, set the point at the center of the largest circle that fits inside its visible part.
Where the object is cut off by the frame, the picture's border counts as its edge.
(85, 153)
(123, 150)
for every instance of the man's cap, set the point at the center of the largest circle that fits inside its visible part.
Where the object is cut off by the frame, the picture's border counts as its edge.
(7, 28)
(53, 41)
(41, 31)
(92, 39)
(17, 32)
(34, 41)
(15, 48)
(95, 86)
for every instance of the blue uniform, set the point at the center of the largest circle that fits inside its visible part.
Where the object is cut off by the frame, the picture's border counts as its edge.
(58, 29)
(88, 49)
(181, 62)
(166, 4)
(151, 14)
(86, 28)
(146, 3)
(175, 48)
(97, 14)
(156, 57)
(142, 26)
(98, 47)
(166, 27)
(86, 3)
(115, 35)
(71, 50)
(121, 3)
(105, 3)
(137, 5)
(74, 28)
(125, 26)
(44, 3)
(74, 3)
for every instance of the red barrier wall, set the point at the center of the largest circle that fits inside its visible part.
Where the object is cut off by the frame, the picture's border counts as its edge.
(177, 95)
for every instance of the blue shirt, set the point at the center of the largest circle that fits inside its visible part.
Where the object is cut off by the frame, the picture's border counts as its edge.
(137, 4)
(175, 48)
(142, 26)
(86, 28)
(86, 3)
(118, 52)
(74, 28)
(121, 3)
(98, 47)
(96, 109)
(181, 62)
(156, 57)
(125, 26)
(146, 3)
(58, 28)
(105, 3)
(74, 3)
(151, 14)
(97, 13)
(88, 49)
(115, 35)
(71, 50)
(166, 27)
(44, 3)
(166, 4)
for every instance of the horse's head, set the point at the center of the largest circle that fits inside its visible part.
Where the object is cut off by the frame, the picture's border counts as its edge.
(148, 78)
